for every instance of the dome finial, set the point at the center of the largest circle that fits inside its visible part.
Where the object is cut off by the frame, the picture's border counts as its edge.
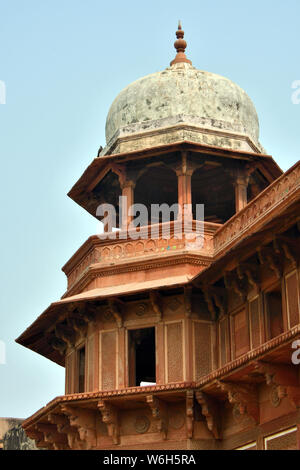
(180, 46)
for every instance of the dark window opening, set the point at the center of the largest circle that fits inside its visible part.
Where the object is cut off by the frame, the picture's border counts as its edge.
(212, 187)
(141, 356)
(81, 369)
(157, 186)
(273, 302)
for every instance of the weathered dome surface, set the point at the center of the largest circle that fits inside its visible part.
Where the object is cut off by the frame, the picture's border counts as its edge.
(179, 94)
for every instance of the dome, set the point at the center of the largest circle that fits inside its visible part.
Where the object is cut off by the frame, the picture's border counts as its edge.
(182, 95)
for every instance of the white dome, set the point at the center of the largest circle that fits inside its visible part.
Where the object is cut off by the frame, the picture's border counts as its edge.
(179, 94)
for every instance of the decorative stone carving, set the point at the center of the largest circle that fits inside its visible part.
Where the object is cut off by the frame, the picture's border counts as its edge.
(110, 418)
(141, 309)
(159, 414)
(115, 307)
(176, 420)
(174, 304)
(84, 421)
(156, 302)
(283, 380)
(141, 424)
(189, 414)
(188, 300)
(244, 396)
(210, 410)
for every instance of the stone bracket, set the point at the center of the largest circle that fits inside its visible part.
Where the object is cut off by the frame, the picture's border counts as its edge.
(232, 281)
(159, 413)
(110, 418)
(189, 403)
(286, 246)
(284, 381)
(188, 290)
(251, 272)
(267, 255)
(115, 307)
(56, 343)
(156, 302)
(66, 333)
(244, 396)
(84, 421)
(209, 299)
(215, 297)
(209, 408)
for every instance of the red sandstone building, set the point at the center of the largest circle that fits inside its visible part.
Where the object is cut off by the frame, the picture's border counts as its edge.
(211, 328)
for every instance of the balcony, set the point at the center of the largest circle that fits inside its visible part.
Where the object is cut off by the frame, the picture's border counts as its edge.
(153, 241)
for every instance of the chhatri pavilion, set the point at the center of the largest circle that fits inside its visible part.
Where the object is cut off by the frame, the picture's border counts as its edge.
(168, 344)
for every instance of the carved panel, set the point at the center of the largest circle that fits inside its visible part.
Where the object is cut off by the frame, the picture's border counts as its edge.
(255, 323)
(202, 349)
(285, 440)
(270, 198)
(90, 364)
(174, 352)
(70, 372)
(240, 333)
(108, 358)
(292, 296)
(223, 341)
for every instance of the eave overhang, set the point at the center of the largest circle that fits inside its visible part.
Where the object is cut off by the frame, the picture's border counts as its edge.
(99, 167)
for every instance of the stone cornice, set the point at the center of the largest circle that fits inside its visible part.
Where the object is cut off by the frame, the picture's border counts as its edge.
(148, 263)
(122, 136)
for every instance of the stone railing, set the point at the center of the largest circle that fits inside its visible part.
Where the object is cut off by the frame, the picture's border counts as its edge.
(271, 198)
(152, 241)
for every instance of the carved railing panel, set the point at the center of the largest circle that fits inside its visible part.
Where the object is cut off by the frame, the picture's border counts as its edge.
(265, 202)
(112, 250)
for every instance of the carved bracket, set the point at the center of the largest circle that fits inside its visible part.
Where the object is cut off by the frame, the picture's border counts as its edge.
(66, 333)
(215, 297)
(189, 413)
(156, 302)
(51, 438)
(110, 418)
(232, 281)
(158, 409)
(288, 247)
(284, 381)
(56, 343)
(244, 396)
(209, 408)
(250, 272)
(115, 306)
(188, 300)
(84, 421)
(209, 299)
(267, 255)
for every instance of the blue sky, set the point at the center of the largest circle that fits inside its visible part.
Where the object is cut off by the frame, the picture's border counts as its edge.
(63, 63)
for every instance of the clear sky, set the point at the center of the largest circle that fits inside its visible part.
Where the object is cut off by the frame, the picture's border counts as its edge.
(63, 63)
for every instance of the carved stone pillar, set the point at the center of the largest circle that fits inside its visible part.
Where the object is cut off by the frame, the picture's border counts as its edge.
(128, 193)
(241, 184)
(184, 176)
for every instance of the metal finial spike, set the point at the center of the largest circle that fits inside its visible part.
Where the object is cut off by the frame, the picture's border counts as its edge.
(179, 24)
